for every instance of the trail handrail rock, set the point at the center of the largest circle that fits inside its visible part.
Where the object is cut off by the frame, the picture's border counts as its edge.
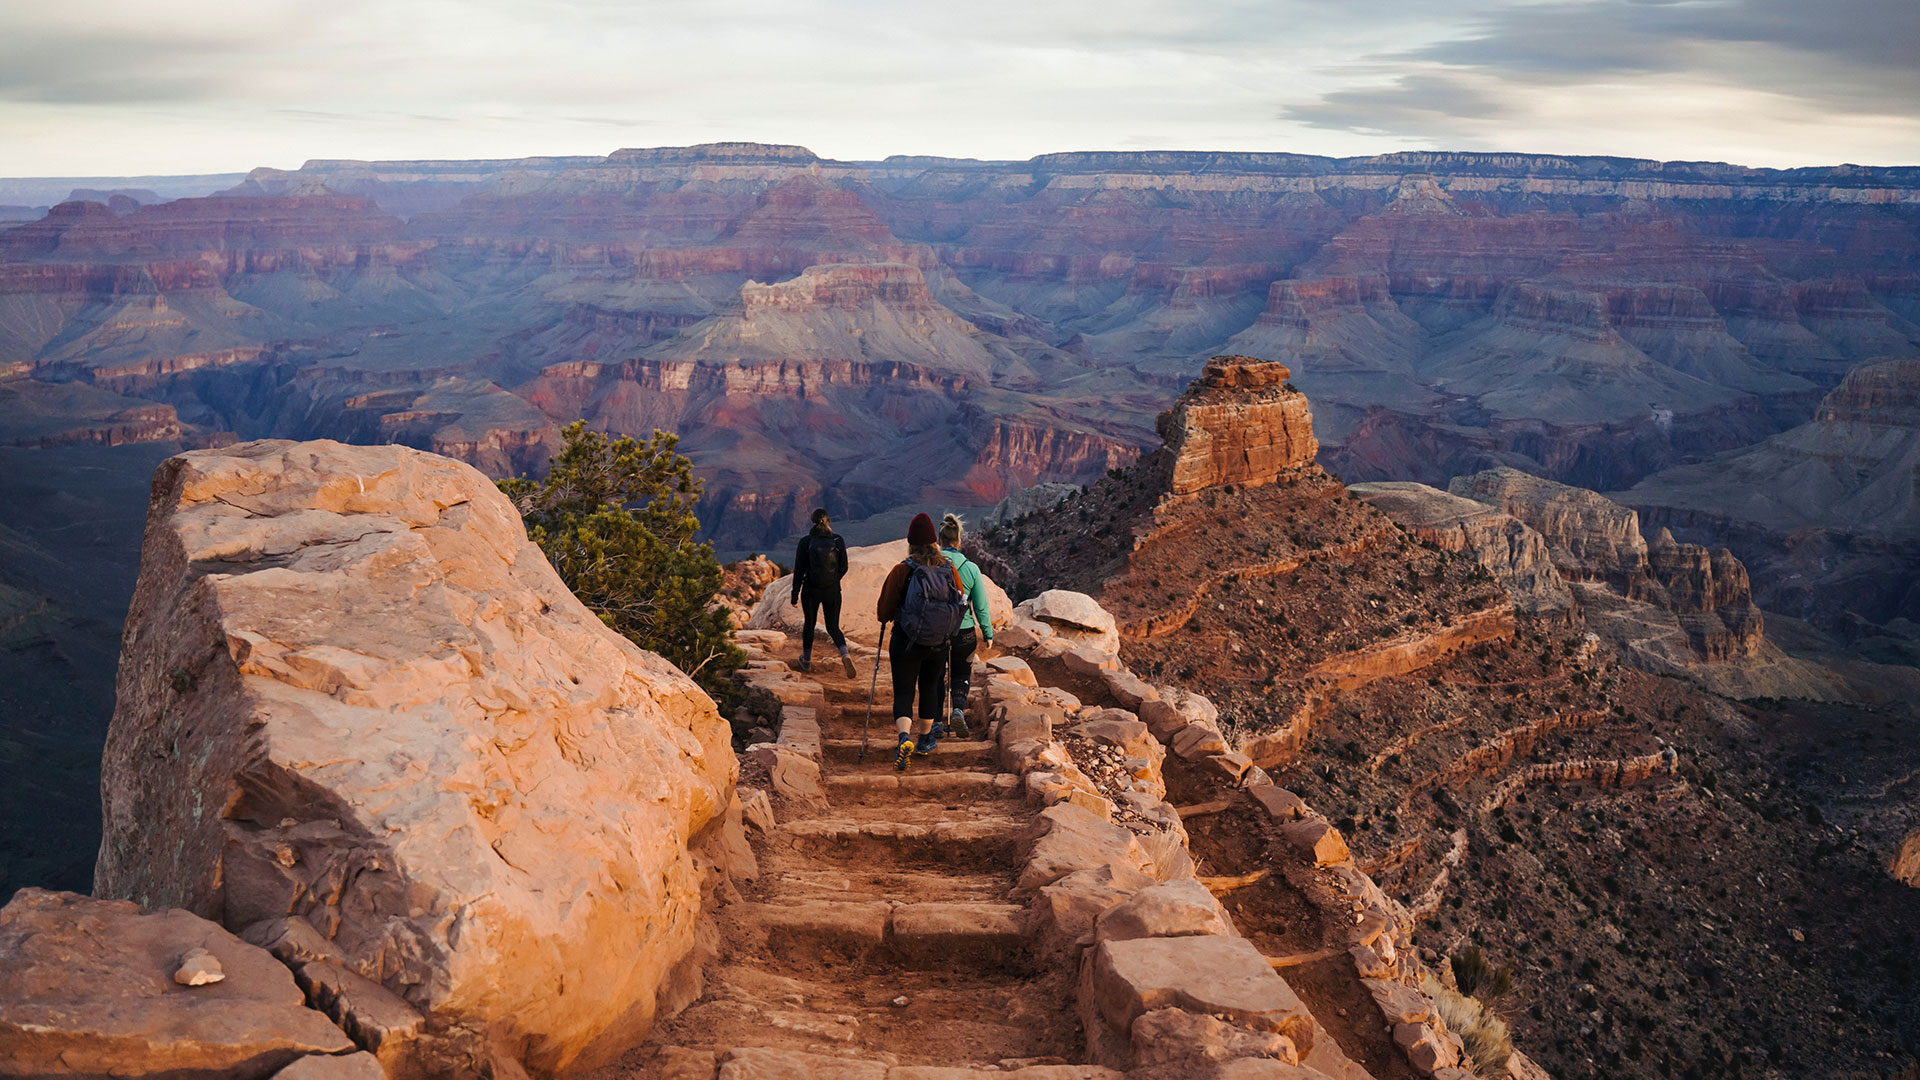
(352, 691)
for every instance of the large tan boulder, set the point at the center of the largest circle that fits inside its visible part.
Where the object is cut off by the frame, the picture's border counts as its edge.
(88, 989)
(1074, 619)
(352, 691)
(1217, 974)
(867, 569)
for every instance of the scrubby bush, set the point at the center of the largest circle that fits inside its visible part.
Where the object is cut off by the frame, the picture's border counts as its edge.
(615, 518)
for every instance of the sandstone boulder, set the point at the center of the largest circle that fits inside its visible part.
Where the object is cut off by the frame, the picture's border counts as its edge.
(1279, 803)
(1066, 909)
(1079, 840)
(361, 1066)
(1089, 661)
(1217, 974)
(1426, 1050)
(1127, 688)
(1076, 619)
(1400, 1003)
(1317, 840)
(867, 569)
(1177, 1042)
(1014, 668)
(352, 691)
(1179, 908)
(87, 990)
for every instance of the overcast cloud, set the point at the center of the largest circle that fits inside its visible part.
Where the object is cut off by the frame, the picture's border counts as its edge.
(119, 87)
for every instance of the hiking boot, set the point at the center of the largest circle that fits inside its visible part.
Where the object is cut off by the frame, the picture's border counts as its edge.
(846, 661)
(926, 744)
(957, 723)
(806, 659)
(903, 754)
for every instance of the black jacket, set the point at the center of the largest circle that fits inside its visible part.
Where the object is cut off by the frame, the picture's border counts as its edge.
(803, 562)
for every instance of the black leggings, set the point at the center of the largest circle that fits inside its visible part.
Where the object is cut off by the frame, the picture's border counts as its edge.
(916, 667)
(961, 648)
(811, 605)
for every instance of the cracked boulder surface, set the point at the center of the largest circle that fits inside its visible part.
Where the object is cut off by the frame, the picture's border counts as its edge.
(352, 691)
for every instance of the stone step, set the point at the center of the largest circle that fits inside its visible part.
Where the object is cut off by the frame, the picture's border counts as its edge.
(949, 754)
(945, 784)
(997, 841)
(797, 878)
(919, 936)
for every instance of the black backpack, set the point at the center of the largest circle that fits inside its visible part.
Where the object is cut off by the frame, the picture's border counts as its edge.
(932, 610)
(823, 562)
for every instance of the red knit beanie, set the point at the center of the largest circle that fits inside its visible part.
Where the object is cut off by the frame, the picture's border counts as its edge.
(921, 531)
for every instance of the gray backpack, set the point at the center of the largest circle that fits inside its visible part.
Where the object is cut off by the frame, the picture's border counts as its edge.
(933, 608)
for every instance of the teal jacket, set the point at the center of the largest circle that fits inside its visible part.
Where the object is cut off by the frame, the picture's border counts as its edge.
(977, 614)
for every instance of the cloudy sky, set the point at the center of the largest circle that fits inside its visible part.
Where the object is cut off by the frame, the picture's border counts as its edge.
(127, 87)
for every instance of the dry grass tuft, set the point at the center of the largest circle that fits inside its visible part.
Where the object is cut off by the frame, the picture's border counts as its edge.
(1488, 1041)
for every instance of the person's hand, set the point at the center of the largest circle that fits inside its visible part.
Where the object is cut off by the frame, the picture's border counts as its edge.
(794, 600)
(986, 649)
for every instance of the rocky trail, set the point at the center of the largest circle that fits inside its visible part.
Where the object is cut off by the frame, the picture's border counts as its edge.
(879, 930)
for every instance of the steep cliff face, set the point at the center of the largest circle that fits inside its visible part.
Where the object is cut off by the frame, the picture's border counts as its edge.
(354, 694)
(1241, 424)
(1516, 555)
(1592, 539)
(1675, 608)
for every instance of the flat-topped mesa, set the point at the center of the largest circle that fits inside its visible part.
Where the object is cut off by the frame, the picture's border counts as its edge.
(1241, 423)
(354, 698)
(843, 287)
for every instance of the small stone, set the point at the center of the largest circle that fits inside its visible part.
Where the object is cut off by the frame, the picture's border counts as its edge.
(901, 1002)
(199, 968)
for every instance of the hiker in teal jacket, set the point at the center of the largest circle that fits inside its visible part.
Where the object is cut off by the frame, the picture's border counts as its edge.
(976, 626)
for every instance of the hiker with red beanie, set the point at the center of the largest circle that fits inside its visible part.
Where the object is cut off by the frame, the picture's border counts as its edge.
(924, 598)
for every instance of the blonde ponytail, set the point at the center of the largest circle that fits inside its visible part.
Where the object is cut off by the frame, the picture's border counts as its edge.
(951, 530)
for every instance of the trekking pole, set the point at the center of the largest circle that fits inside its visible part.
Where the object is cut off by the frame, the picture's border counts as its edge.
(872, 688)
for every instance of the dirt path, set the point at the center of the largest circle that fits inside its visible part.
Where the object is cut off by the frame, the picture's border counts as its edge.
(879, 929)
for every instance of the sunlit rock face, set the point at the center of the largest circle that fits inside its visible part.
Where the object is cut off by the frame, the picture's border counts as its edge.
(352, 691)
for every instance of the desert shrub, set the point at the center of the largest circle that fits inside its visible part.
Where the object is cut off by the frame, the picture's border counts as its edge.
(1167, 852)
(615, 518)
(1487, 1039)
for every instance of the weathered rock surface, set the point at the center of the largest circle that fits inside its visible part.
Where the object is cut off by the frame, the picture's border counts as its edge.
(352, 691)
(1180, 908)
(1243, 424)
(1673, 608)
(1516, 555)
(87, 989)
(1592, 538)
(867, 569)
(1905, 863)
(1218, 974)
(1075, 619)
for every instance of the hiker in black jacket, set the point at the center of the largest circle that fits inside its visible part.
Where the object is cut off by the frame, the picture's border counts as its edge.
(818, 565)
